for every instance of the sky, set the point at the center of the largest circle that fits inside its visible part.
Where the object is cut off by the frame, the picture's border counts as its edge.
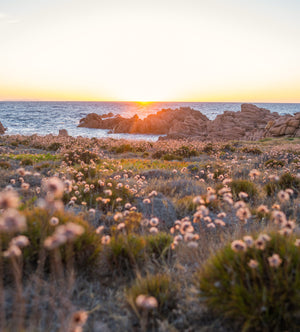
(150, 50)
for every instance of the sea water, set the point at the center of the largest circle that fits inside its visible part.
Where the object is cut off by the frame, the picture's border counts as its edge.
(44, 118)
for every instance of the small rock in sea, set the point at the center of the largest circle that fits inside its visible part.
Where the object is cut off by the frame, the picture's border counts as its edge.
(63, 132)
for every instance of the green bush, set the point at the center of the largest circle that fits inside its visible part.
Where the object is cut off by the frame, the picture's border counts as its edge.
(272, 163)
(286, 181)
(159, 286)
(244, 185)
(128, 253)
(86, 248)
(262, 298)
(252, 150)
(124, 254)
(27, 162)
(5, 164)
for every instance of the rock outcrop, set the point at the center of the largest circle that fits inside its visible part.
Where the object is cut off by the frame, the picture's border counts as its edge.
(2, 129)
(168, 121)
(251, 123)
(63, 132)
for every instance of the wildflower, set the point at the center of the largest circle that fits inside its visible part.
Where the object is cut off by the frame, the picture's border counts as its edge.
(54, 187)
(221, 215)
(254, 173)
(9, 200)
(154, 222)
(118, 216)
(248, 240)
(70, 231)
(211, 225)
(21, 171)
(263, 209)
(253, 264)
(276, 207)
(243, 195)
(243, 214)
(153, 230)
(289, 191)
(52, 242)
(12, 221)
(146, 302)
(127, 206)
(146, 201)
(239, 204)
(79, 318)
(121, 226)
(25, 186)
(54, 221)
(107, 192)
(285, 231)
(274, 260)
(279, 218)
(20, 241)
(153, 193)
(220, 222)
(105, 240)
(68, 186)
(297, 242)
(283, 196)
(100, 229)
(198, 200)
(238, 245)
(12, 251)
(192, 244)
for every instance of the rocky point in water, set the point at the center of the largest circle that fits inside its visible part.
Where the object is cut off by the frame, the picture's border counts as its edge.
(251, 123)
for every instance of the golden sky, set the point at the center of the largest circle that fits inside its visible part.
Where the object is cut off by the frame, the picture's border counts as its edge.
(150, 50)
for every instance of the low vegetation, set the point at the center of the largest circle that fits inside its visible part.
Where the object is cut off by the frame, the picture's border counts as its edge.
(116, 235)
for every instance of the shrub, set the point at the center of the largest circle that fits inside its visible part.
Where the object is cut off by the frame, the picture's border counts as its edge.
(158, 245)
(124, 254)
(76, 156)
(27, 162)
(5, 164)
(170, 156)
(287, 180)
(127, 253)
(252, 150)
(244, 185)
(272, 163)
(261, 298)
(86, 247)
(159, 286)
(54, 146)
(122, 148)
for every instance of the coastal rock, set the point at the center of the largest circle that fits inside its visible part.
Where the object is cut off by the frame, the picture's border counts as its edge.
(2, 129)
(286, 125)
(63, 132)
(251, 123)
(167, 121)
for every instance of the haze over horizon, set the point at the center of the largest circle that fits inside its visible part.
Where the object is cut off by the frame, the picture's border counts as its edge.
(135, 50)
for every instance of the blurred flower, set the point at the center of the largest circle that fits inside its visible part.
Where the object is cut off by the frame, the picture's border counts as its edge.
(274, 260)
(253, 264)
(238, 245)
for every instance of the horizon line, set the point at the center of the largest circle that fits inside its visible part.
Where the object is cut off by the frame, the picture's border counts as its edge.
(147, 102)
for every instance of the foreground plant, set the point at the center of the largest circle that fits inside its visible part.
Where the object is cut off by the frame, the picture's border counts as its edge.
(255, 282)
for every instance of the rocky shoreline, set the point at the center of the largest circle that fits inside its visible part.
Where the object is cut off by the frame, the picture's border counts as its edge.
(251, 123)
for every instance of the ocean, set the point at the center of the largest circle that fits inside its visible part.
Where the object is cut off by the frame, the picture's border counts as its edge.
(27, 118)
